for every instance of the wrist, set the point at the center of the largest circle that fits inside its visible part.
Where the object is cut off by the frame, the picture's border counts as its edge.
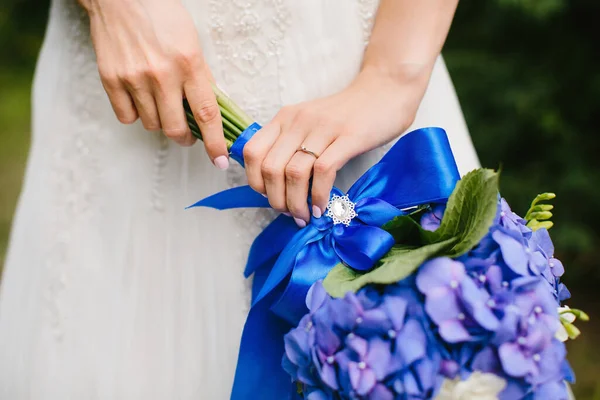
(397, 93)
(94, 7)
(85, 4)
(405, 86)
(407, 76)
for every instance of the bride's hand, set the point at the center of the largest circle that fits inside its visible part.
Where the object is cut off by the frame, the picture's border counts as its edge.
(149, 59)
(372, 111)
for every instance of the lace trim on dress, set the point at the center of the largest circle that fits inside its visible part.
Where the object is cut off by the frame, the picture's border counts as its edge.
(73, 161)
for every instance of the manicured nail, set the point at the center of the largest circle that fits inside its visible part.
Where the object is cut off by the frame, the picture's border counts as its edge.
(316, 212)
(222, 163)
(287, 214)
(300, 222)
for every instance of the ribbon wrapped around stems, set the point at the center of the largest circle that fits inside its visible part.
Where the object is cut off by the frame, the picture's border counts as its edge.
(286, 261)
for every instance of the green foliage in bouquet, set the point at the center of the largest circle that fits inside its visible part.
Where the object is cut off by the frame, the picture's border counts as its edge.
(468, 217)
(539, 215)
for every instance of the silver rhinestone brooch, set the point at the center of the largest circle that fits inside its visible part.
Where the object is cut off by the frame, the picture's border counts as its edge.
(341, 210)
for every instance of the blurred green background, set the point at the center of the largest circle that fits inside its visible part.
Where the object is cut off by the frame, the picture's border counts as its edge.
(528, 76)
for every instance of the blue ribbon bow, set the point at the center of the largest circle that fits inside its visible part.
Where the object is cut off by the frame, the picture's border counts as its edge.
(286, 261)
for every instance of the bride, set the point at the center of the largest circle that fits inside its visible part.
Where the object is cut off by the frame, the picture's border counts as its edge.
(111, 289)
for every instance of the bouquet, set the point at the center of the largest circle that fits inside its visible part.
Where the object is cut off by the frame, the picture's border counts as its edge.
(414, 285)
(478, 321)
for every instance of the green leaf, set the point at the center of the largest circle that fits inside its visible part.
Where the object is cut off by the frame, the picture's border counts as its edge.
(340, 280)
(407, 231)
(469, 214)
(399, 263)
(470, 211)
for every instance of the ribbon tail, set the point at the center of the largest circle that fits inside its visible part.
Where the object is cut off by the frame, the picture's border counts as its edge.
(270, 243)
(313, 263)
(287, 259)
(265, 250)
(238, 197)
(259, 373)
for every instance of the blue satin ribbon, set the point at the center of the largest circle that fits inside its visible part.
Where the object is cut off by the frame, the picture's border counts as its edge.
(237, 149)
(286, 261)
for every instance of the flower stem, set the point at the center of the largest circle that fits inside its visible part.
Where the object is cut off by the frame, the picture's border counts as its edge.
(231, 127)
(227, 104)
(235, 120)
(227, 115)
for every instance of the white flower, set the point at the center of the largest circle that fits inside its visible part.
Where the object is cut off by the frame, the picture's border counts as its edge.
(562, 334)
(479, 386)
(569, 317)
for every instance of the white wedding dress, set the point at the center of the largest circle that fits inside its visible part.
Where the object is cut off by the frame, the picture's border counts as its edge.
(111, 290)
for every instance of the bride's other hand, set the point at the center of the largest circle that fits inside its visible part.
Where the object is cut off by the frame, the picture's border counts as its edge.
(372, 111)
(377, 107)
(149, 59)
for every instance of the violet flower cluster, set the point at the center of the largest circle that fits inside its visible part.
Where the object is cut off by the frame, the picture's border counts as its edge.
(493, 310)
(376, 344)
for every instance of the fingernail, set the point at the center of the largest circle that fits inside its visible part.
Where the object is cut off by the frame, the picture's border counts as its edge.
(300, 222)
(263, 195)
(287, 214)
(317, 212)
(222, 163)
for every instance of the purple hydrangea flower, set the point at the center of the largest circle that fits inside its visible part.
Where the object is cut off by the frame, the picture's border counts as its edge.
(519, 255)
(506, 218)
(364, 363)
(522, 356)
(432, 219)
(298, 361)
(541, 378)
(312, 393)
(369, 345)
(461, 309)
(554, 268)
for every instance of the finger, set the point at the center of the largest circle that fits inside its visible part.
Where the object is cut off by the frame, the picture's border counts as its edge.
(325, 168)
(297, 176)
(255, 152)
(146, 107)
(203, 103)
(120, 100)
(273, 167)
(172, 115)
